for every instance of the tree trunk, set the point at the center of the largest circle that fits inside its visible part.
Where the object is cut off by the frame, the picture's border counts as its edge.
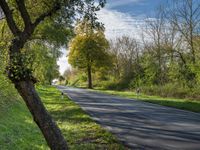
(50, 130)
(26, 89)
(89, 77)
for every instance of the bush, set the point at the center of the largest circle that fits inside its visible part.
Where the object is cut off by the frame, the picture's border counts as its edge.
(114, 85)
(171, 90)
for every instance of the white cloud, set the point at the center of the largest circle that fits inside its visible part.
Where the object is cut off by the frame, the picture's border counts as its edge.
(118, 23)
(63, 62)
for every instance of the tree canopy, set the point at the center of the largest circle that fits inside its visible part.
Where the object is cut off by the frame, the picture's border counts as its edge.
(88, 49)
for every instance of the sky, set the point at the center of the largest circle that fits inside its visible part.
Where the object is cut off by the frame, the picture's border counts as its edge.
(121, 17)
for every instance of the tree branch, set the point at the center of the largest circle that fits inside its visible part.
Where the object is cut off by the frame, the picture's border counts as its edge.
(49, 13)
(9, 18)
(24, 13)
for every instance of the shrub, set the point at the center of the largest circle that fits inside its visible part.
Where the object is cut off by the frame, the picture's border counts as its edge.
(114, 85)
(171, 90)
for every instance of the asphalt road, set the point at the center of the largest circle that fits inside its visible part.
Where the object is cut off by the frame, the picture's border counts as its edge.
(140, 125)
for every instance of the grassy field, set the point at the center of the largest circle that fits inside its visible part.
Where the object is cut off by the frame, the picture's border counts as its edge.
(18, 131)
(185, 104)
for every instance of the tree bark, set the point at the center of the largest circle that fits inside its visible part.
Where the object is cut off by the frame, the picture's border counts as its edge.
(89, 77)
(26, 89)
(50, 130)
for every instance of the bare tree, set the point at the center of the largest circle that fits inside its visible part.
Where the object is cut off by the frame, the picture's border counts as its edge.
(126, 54)
(157, 30)
(185, 16)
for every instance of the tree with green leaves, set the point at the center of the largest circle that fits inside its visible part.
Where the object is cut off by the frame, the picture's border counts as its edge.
(88, 49)
(44, 62)
(25, 19)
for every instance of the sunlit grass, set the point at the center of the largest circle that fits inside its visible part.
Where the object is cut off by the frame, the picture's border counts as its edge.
(19, 132)
(185, 104)
(80, 131)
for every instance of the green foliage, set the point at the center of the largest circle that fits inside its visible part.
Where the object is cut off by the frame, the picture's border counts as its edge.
(50, 28)
(19, 68)
(89, 50)
(54, 31)
(111, 85)
(168, 90)
(44, 64)
(8, 93)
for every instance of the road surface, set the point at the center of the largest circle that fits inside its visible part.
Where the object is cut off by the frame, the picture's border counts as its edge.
(140, 125)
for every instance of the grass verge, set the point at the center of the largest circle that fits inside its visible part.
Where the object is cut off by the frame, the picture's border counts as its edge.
(80, 130)
(185, 104)
(18, 131)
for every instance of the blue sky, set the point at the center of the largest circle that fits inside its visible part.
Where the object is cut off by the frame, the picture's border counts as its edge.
(125, 17)
(121, 17)
(135, 7)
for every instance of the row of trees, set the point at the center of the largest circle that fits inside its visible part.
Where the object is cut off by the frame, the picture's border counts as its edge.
(167, 53)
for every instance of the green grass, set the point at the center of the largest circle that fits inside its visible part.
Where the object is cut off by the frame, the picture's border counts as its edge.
(19, 132)
(185, 104)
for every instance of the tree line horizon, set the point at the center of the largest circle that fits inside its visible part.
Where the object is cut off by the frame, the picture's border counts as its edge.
(167, 64)
(166, 55)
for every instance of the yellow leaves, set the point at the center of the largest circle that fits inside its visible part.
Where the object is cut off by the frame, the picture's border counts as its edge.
(88, 49)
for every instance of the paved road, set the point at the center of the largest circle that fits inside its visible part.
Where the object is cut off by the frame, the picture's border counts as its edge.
(140, 125)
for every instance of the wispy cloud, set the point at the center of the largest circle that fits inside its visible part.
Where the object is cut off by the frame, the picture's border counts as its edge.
(118, 23)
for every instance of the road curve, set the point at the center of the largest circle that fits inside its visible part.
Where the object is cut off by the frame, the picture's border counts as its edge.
(140, 125)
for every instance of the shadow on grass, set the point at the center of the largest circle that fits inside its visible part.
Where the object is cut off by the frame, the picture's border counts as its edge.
(71, 114)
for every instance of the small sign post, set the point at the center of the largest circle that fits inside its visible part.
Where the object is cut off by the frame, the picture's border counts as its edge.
(138, 92)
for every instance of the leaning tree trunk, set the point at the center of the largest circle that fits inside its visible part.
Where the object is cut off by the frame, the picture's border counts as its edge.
(50, 130)
(24, 83)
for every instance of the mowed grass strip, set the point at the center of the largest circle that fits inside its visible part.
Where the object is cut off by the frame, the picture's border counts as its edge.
(80, 131)
(19, 132)
(184, 104)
